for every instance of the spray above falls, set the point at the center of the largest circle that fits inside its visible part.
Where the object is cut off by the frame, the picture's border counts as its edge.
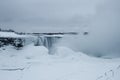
(103, 37)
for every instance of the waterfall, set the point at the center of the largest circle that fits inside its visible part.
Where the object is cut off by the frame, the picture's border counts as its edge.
(47, 41)
(50, 41)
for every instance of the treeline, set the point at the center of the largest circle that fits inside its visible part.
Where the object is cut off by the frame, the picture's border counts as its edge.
(11, 30)
(7, 30)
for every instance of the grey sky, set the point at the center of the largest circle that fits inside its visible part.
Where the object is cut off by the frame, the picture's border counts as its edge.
(44, 14)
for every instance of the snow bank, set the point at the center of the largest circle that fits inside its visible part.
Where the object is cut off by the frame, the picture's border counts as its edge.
(64, 52)
(10, 34)
(34, 63)
(31, 51)
(12, 58)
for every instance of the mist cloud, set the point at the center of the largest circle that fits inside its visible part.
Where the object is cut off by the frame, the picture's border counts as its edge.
(104, 35)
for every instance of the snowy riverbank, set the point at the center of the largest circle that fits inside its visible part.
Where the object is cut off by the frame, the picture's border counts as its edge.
(34, 63)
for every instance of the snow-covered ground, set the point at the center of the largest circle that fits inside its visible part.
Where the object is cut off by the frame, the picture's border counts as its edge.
(11, 34)
(34, 63)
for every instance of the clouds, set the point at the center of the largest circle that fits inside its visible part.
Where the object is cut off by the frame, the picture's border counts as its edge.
(42, 13)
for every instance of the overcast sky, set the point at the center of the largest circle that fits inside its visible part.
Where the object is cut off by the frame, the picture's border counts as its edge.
(31, 15)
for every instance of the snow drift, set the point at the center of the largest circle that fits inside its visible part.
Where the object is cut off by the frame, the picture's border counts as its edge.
(34, 63)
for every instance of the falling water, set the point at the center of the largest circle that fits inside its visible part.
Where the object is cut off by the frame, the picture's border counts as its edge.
(47, 41)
